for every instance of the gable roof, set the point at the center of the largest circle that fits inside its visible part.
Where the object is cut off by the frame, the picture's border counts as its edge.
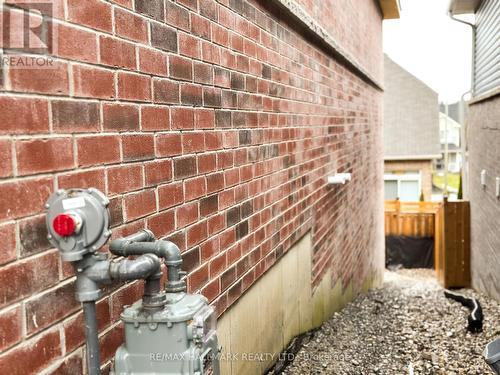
(411, 116)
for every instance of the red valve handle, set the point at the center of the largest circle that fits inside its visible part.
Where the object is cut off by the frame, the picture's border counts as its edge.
(64, 225)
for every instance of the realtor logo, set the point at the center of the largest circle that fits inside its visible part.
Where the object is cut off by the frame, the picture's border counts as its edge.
(27, 34)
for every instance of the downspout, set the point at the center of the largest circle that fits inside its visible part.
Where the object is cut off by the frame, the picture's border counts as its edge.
(464, 130)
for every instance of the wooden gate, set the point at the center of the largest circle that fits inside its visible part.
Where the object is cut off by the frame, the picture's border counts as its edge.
(452, 244)
(449, 224)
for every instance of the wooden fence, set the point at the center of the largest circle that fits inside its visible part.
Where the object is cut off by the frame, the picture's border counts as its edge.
(449, 224)
(414, 219)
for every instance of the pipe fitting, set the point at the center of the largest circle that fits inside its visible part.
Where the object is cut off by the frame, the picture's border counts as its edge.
(140, 268)
(171, 254)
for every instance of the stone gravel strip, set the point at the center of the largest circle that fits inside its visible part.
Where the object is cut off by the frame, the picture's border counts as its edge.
(407, 326)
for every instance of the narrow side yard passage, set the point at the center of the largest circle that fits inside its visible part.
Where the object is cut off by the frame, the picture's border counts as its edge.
(407, 326)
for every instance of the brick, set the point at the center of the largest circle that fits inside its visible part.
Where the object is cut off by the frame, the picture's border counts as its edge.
(220, 35)
(70, 365)
(215, 224)
(138, 147)
(210, 53)
(194, 188)
(152, 61)
(41, 351)
(237, 81)
(23, 115)
(209, 205)
(211, 290)
(98, 150)
(115, 211)
(54, 81)
(93, 82)
(200, 26)
(184, 167)
(204, 118)
(116, 52)
(24, 278)
(209, 248)
(155, 118)
(130, 26)
(213, 140)
(196, 234)
(198, 278)
(203, 73)
(158, 172)
(191, 259)
(5, 158)
(87, 43)
(124, 178)
(191, 95)
(170, 195)
(208, 8)
(92, 13)
(223, 119)
(191, 4)
(182, 118)
(189, 46)
(110, 342)
(222, 77)
(177, 16)
(206, 163)
(120, 117)
(193, 142)
(75, 116)
(227, 278)
(233, 216)
(49, 307)
(8, 246)
(134, 87)
(10, 327)
(166, 91)
(180, 68)
(215, 182)
(242, 229)
(44, 155)
(139, 204)
(186, 214)
(13, 202)
(217, 265)
(33, 236)
(162, 224)
(163, 37)
(152, 8)
(212, 97)
(83, 179)
(168, 144)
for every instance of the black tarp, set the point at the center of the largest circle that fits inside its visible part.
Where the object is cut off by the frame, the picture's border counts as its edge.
(409, 252)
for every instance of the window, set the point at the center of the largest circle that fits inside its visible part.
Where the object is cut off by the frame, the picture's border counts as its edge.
(405, 186)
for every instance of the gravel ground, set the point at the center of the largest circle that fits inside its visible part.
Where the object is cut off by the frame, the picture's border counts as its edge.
(405, 327)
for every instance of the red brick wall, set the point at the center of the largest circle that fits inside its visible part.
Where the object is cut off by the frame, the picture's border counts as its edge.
(353, 26)
(212, 123)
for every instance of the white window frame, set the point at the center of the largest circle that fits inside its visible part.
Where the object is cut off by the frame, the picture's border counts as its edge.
(413, 176)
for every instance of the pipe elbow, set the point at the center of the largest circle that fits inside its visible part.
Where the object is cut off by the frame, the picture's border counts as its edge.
(143, 267)
(169, 252)
(119, 245)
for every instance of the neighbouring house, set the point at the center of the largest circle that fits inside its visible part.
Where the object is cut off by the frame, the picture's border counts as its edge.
(213, 123)
(449, 135)
(483, 143)
(411, 134)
